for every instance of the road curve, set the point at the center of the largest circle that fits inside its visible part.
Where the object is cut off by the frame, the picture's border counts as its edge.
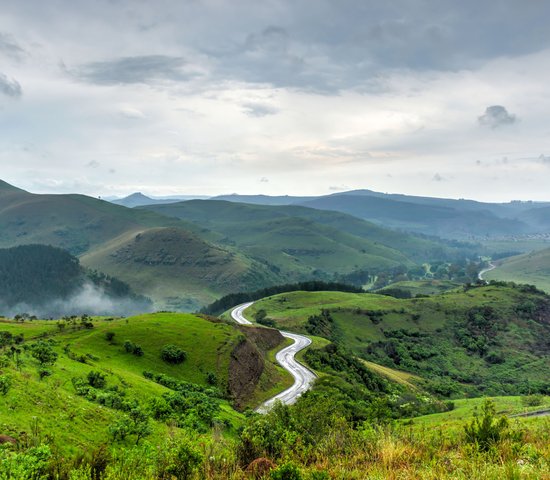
(491, 266)
(303, 377)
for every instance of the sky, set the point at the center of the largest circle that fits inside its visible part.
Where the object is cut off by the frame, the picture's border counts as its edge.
(439, 98)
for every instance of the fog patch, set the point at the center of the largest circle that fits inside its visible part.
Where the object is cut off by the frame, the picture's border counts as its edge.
(88, 299)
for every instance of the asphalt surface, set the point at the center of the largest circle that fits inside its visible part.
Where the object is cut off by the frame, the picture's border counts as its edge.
(303, 377)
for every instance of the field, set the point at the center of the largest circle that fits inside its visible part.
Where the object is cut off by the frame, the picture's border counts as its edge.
(532, 268)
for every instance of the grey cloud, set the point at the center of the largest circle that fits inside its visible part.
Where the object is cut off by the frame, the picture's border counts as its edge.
(438, 178)
(93, 164)
(10, 48)
(496, 116)
(264, 180)
(10, 87)
(254, 109)
(129, 70)
(544, 159)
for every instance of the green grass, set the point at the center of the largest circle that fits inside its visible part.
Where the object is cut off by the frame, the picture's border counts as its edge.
(431, 337)
(464, 410)
(423, 287)
(531, 268)
(65, 416)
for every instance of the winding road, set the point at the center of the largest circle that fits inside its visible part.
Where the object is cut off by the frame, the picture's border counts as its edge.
(303, 377)
(485, 270)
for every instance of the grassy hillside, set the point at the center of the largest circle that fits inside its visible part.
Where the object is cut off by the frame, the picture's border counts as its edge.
(177, 268)
(302, 239)
(421, 287)
(532, 268)
(62, 405)
(487, 340)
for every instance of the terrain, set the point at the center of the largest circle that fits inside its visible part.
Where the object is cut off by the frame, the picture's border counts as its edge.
(486, 340)
(47, 281)
(447, 218)
(532, 268)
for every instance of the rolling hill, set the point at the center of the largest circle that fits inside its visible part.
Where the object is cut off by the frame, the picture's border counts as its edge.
(489, 340)
(298, 237)
(177, 268)
(531, 268)
(448, 218)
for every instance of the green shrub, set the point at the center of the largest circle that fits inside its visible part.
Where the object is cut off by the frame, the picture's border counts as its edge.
(109, 336)
(96, 379)
(5, 384)
(173, 354)
(486, 430)
(532, 400)
(287, 471)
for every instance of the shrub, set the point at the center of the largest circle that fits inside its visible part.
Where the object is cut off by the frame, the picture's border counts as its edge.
(131, 347)
(109, 336)
(173, 354)
(5, 384)
(532, 400)
(486, 430)
(96, 379)
(287, 471)
(211, 378)
(43, 353)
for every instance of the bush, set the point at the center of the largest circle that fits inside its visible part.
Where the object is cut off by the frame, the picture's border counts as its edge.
(173, 354)
(109, 336)
(5, 384)
(287, 471)
(44, 372)
(532, 400)
(96, 379)
(211, 378)
(131, 347)
(486, 430)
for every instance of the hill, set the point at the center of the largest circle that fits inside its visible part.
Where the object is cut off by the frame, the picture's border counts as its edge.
(138, 199)
(95, 229)
(299, 238)
(224, 367)
(75, 223)
(532, 268)
(177, 268)
(448, 218)
(487, 340)
(47, 281)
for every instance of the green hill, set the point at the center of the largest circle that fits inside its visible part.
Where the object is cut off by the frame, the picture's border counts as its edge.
(322, 240)
(487, 340)
(64, 401)
(177, 268)
(100, 232)
(532, 268)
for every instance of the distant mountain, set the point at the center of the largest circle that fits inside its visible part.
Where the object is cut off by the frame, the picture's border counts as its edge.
(138, 199)
(448, 218)
(262, 199)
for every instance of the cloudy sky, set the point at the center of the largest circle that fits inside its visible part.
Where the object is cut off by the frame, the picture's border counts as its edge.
(440, 97)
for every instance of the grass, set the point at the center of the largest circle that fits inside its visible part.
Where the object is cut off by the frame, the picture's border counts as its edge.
(531, 268)
(423, 287)
(431, 337)
(62, 414)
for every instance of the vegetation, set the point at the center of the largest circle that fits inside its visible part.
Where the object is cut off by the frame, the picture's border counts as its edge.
(481, 340)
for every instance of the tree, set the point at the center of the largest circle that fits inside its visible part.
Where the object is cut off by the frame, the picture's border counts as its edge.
(173, 354)
(109, 336)
(44, 353)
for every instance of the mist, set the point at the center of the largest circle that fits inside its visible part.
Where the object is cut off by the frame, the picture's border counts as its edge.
(88, 299)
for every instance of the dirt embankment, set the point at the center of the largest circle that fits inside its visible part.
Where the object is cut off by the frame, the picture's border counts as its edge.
(248, 361)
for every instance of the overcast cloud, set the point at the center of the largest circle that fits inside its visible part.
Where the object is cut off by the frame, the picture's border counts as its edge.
(207, 97)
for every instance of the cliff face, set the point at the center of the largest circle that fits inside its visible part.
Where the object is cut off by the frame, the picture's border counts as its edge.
(248, 362)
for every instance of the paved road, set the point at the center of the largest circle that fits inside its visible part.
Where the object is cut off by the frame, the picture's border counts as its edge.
(485, 270)
(303, 377)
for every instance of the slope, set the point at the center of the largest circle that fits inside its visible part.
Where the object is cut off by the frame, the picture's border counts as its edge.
(66, 399)
(298, 237)
(490, 340)
(532, 268)
(73, 222)
(177, 268)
